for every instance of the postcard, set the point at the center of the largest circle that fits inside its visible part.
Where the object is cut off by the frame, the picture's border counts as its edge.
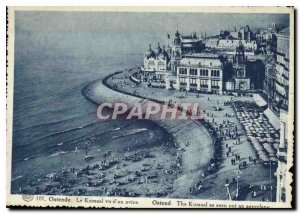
(147, 107)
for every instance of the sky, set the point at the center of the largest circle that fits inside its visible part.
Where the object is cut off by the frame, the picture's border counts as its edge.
(141, 22)
(99, 34)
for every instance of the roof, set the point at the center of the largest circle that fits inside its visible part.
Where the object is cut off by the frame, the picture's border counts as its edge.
(201, 62)
(203, 55)
(273, 119)
(259, 100)
(284, 32)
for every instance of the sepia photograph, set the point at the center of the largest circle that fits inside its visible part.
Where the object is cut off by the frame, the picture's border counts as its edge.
(144, 107)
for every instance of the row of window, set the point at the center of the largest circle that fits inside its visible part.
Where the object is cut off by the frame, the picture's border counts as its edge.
(215, 73)
(160, 65)
(214, 83)
(182, 71)
(203, 72)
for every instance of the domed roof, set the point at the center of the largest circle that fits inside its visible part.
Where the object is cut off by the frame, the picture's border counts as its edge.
(177, 39)
(163, 54)
(158, 50)
(150, 53)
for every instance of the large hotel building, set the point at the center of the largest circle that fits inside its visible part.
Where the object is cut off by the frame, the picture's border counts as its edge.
(184, 65)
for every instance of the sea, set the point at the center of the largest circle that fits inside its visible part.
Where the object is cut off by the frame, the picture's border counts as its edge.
(51, 116)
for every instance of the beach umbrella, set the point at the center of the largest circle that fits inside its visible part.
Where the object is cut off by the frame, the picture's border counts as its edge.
(274, 159)
(276, 146)
(260, 152)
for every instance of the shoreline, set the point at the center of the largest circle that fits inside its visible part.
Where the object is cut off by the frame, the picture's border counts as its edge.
(195, 158)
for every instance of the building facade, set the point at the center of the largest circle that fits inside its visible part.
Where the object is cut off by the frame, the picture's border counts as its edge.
(228, 41)
(229, 45)
(269, 81)
(201, 72)
(241, 77)
(185, 66)
(156, 64)
(282, 69)
(281, 98)
(282, 158)
(266, 38)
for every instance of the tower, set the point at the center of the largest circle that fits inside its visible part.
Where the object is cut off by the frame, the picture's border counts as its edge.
(242, 80)
(176, 47)
(175, 51)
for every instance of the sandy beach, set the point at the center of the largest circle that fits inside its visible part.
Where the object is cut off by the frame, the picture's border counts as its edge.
(194, 157)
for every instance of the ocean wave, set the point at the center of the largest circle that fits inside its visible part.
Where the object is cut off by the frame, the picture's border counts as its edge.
(46, 124)
(65, 131)
(17, 178)
(57, 153)
(62, 144)
(131, 132)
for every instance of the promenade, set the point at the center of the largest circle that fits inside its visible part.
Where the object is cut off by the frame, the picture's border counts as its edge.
(256, 175)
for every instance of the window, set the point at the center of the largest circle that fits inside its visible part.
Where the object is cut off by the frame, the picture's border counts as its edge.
(161, 66)
(193, 82)
(214, 83)
(215, 73)
(193, 71)
(203, 72)
(203, 82)
(182, 71)
(182, 81)
(151, 64)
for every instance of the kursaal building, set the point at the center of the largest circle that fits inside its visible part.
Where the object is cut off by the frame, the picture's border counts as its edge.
(186, 65)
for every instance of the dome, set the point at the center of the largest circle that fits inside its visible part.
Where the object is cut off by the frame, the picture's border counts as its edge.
(163, 54)
(150, 53)
(177, 39)
(158, 50)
